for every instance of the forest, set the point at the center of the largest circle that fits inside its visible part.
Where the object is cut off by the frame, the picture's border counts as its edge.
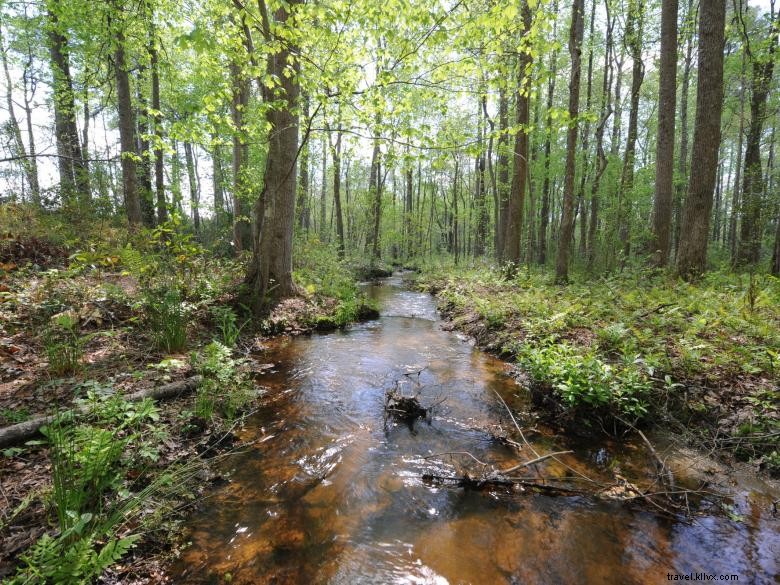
(261, 259)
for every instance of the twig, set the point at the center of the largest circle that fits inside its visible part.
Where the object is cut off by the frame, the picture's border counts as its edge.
(533, 461)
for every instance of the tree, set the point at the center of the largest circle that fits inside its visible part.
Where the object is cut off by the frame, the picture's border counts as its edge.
(763, 62)
(270, 270)
(664, 158)
(514, 226)
(567, 213)
(127, 136)
(694, 230)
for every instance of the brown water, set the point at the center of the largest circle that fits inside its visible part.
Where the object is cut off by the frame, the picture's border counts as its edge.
(331, 495)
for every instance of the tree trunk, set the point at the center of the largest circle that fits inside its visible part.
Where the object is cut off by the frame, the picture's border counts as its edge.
(159, 170)
(303, 186)
(692, 255)
(74, 174)
(480, 238)
(270, 272)
(664, 152)
(375, 196)
(193, 184)
(30, 173)
(335, 151)
(242, 230)
(682, 164)
(126, 132)
(582, 204)
(567, 212)
(634, 30)
(503, 170)
(514, 224)
(749, 247)
(601, 157)
(544, 219)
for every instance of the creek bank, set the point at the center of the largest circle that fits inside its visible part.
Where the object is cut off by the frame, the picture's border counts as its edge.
(727, 404)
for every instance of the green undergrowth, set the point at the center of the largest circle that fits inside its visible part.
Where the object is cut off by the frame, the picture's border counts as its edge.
(634, 346)
(105, 474)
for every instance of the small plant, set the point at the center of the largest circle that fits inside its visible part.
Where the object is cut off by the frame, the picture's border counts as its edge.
(64, 345)
(613, 336)
(227, 325)
(167, 318)
(225, 386)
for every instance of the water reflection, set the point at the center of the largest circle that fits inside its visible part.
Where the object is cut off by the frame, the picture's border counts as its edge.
(335, 496)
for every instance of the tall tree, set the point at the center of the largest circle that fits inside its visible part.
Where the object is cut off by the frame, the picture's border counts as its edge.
(567, 211)
(664, 157)
(270, 271)
(763, 62)
(127, 136)
(694, 231)
(514, 225)
(74, 174)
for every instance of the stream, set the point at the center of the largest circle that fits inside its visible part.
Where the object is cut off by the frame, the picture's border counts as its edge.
(330, 493)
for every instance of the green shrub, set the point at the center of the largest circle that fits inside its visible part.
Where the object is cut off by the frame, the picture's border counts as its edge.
(167, 316)
(64, 345)
(584, 382)
(226, 388)
(227, 324)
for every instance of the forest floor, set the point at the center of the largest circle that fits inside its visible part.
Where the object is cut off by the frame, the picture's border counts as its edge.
(82, 331)
(700, 360)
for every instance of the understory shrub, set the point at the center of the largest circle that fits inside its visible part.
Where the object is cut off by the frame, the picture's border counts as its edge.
(226, 388)
(166, 315)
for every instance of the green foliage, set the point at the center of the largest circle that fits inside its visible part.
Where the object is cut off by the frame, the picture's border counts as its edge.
(583, 380)
(227, 325)
(166, 316)
(64, 345)
(90, 455)
(226, 388)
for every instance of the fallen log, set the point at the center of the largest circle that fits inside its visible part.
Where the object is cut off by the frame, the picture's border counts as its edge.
(26, 430)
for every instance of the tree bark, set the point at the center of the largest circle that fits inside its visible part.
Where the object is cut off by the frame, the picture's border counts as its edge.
(242, 230)
(503, 170)
(126, 132)
(544, 218)
(664, 157)
(335, 151)
(749, 246)
(682, 164)
(270, 272)
(74, 174)
(159, 169)
(303, 185)
(193, 184)
(634, 31)
(567, 212)
(692, 255)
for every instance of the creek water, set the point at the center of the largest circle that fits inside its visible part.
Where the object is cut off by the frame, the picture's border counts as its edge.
(330, 492)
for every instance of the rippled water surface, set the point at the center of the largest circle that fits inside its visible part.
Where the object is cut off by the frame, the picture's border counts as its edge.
(331, 494)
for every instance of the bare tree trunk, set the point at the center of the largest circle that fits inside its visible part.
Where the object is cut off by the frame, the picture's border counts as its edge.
(664, 153)
(692, 255)
(480, 238)
(126, 132)
(567, 214)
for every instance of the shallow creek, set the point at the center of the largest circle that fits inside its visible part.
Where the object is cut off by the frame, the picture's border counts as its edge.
(328, 493)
